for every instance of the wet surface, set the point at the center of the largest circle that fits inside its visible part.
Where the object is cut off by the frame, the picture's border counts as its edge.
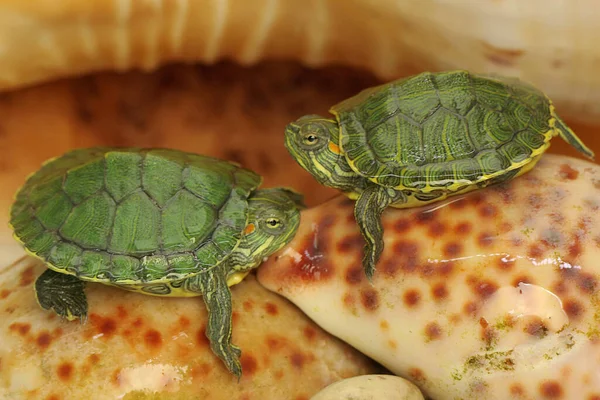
(472, 295)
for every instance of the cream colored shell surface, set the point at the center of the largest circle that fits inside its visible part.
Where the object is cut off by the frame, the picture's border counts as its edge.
(491, 295)
(551, 43)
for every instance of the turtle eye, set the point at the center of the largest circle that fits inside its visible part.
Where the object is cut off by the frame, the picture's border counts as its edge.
(310, 139)
(273, 225)
(273, 222)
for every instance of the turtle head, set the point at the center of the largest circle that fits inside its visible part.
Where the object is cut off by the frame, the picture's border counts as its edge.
(313, 141)
(273, 219)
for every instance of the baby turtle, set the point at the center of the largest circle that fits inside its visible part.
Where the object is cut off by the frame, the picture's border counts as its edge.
(423, 138)
(157, 221)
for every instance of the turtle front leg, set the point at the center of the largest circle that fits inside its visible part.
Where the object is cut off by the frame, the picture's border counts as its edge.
(212, 284)
(62, 293)
(367, 211)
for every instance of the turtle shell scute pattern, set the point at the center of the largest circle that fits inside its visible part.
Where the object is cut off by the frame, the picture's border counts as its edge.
(133, 215)
(435, 131)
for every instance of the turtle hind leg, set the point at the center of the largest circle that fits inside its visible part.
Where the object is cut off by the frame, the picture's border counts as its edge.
(570, 137)
(62, 293)
(367, 211)
(213, 286)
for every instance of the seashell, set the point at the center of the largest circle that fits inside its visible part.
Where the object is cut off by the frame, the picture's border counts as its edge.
(551, 43)
(370, 387)
(145, 347)
(489, 295)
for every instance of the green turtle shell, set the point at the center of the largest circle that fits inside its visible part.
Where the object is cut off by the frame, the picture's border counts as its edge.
(133, 215)
(444, 131)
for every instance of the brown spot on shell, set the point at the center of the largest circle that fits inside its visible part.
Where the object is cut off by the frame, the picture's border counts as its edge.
(506, 193)
(452, 249)
(501, 56)
(488, 334)
(463, 228)
(535, 201)
(482, 288)
(505, 263)
(536, 327)
(526, 279)
(310, 333)
(575, 248)
(401, 225)
(349, 301)
(412, 297)
(278, 374)
(470, 308)
(65, 371)
(594, 397)
(406, 255)
(43, 340)
(271, 308)
(248, 305)
(551, 390)
(201, 370)
(93, 358)
(249, 364)
(516, 389)
(433, 331)
(297, 359)
(20, 328)
(587, 283)
(573, 308)
(535, 251)
(121, 312)
(275, 343)
(392, 344)
(439, 291)
(4, 293)
(567, 172)
(488, 211)
(559, 288)
(486, 239)
(235, 316)
(505, 227)
(354, 275)
(458, 204)
(350, 243)
(53, 397)
(445, 268)
(557, 217)
(26, 277)
(384, 325)
(137, 322)
(369, 299)
(153, 339)
(416, 374)
(476, 198)
(436, 229)
(483, 322)
(425, 217)
(184, 322)
(106, 326)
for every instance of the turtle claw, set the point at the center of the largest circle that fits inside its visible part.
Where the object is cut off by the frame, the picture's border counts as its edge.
(62, 293)
(231, 359)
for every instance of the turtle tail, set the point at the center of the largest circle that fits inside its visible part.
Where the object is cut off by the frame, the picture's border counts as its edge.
(570, 137)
